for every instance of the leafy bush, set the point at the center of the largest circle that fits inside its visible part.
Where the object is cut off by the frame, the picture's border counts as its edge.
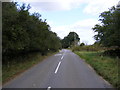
(88, 48)
(25, 32)
(112, 53)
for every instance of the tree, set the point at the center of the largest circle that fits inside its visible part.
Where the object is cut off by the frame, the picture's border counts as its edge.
(108, 31)
(82, 44)
(25, 32)
(9, 18)
(71, 39)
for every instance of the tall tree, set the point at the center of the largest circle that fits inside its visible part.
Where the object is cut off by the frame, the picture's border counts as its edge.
(108, 31)
(24, 32)
(70, 40)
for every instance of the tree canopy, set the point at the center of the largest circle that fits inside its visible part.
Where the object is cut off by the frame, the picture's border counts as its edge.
(108, 32)
(70, 40)
(25, 32)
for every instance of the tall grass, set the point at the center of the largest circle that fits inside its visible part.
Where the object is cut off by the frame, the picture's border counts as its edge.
(105, 66)
(88, 48)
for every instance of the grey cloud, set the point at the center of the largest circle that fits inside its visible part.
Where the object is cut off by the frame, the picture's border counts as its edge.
(46, 6)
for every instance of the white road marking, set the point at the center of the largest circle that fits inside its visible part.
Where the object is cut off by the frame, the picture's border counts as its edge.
(57, 54)
(34, 85)
(62, 57)
(90, 66)
(57, 67)
(104, 80)
(49, 88)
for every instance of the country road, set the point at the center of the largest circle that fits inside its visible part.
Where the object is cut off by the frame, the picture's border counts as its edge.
(62, 70)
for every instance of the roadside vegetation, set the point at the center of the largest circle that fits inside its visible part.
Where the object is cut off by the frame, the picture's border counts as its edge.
(104, 54)
(26, 39)
(24, 62)
(25, 32)
(105, 66)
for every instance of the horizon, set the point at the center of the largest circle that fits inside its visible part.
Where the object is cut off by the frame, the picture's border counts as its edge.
(67, 16)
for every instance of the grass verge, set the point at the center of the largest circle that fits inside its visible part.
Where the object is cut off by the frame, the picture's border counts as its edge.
(105, 66)
(20, 64)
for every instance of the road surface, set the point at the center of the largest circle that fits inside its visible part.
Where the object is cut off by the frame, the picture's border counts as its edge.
(62, 70)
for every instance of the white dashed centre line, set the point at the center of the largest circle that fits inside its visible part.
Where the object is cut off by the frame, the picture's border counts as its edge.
(57, 67)
(62, 57)
(49, 88)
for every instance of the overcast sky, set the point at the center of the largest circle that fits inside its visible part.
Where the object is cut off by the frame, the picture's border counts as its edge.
(71, 15)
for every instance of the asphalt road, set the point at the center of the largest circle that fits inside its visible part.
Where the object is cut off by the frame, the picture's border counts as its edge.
(62, 70)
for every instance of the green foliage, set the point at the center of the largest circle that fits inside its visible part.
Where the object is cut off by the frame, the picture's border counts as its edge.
(105, 66)
(82, 44)
(88, 48)
(70, 40)
(108, 32)
(25, 32)
(112, 53)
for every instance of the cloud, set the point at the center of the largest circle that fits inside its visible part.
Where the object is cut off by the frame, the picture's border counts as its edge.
(98, 6)
(5, 0)
(82, 28)
(84, 24)
(91, 6)
(52, 5)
